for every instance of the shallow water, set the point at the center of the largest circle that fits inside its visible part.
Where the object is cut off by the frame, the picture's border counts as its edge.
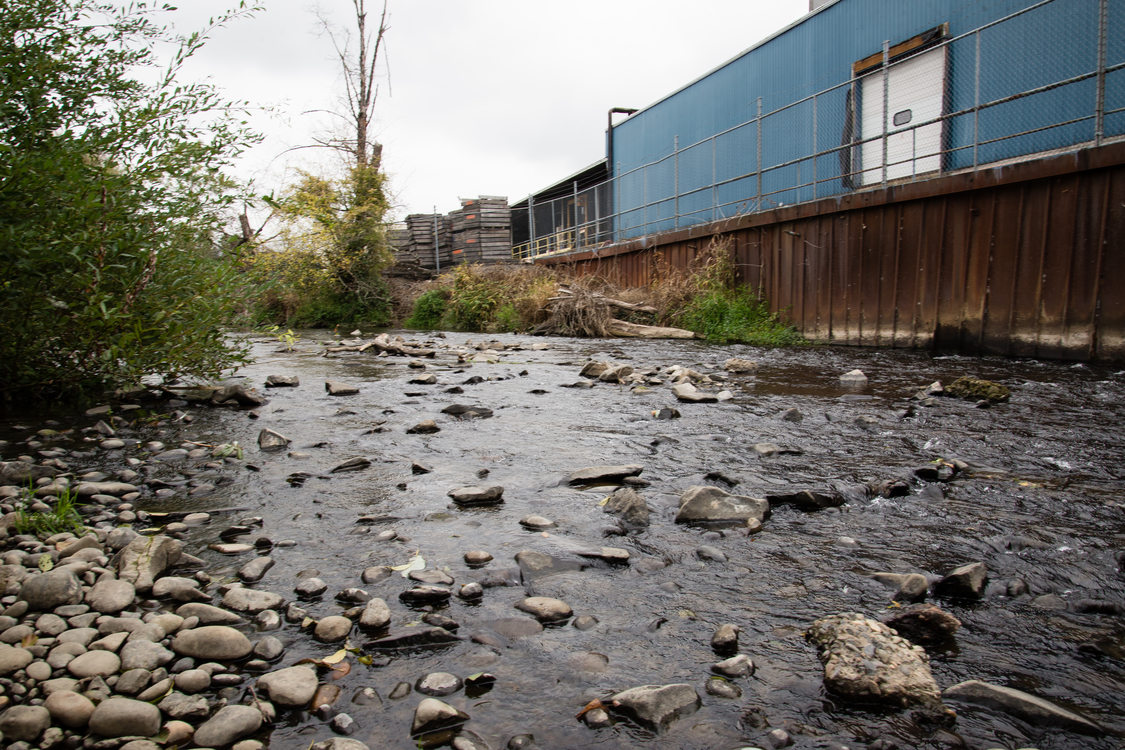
(1042, 503)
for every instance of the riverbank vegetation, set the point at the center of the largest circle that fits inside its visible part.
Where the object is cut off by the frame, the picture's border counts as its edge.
(113, 201)
(705, 298)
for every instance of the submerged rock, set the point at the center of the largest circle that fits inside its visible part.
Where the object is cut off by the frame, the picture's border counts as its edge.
(923, 624)
(629, 506)
(1028, 707)
(807, 500)
(911, 587)
(865, 660)
(974, 389)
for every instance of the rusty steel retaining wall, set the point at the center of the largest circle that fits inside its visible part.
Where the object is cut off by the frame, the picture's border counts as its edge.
(1023, 259)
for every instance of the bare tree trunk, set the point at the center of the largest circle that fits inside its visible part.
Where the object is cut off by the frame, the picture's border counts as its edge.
(365, 91)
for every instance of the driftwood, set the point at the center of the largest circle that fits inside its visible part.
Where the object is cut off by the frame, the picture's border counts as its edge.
(624, 329)
(567, 293)
(583, 312)
(397, 346)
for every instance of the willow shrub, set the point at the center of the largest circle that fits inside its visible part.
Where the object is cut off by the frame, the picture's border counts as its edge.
(112, 202)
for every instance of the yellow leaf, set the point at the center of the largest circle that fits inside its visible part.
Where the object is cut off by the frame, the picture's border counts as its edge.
(336, 657)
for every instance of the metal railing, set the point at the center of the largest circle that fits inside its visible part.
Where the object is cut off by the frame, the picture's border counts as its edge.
(1002, 101)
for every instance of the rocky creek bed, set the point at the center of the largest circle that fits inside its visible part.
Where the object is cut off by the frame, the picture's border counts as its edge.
(558, 543)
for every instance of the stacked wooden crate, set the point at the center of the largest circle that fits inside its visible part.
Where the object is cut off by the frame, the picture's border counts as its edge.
(414, 240)
(482, 230)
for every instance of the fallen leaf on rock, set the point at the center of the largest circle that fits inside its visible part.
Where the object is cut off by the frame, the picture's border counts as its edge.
(416, 563)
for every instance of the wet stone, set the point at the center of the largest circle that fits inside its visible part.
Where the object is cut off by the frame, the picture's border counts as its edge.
(722, 688)
(477, 495)
(332, 629)
(375, 574)
(536, 523)
(736, 666)
(425, 595)
(255, 569)
(438, 684)
(657, 706)
(545, 609)
(336, 388)
(477, 558)
(966, 581)
(604, 474)
(310, 588)
(924, 624)
(436, 577)
(292, 686)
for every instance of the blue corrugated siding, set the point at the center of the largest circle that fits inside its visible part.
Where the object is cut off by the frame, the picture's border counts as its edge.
(1045, 46)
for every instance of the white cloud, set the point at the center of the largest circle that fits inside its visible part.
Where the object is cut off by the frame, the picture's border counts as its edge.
(496, 97)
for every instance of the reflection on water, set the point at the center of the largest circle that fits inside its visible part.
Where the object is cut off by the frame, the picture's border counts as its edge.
(1040, 505)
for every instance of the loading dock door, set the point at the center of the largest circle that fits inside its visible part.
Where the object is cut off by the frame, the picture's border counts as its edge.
(915, 94)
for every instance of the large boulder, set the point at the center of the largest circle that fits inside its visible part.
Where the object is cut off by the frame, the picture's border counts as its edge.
(714, 505)
(145, 558)
(657, 706)
(866, 661)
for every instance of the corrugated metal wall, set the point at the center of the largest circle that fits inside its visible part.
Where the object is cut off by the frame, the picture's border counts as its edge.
(1027, 259)
(1048, 45)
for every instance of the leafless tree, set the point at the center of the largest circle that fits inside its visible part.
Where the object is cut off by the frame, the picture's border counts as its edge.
(361, 88)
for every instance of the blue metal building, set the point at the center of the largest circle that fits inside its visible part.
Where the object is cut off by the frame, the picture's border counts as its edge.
(865, 92)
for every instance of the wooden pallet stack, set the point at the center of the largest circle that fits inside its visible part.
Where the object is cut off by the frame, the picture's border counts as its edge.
(482, 230)
(413, 240)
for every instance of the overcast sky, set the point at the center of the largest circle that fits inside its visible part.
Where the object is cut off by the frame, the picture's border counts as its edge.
(490, 97)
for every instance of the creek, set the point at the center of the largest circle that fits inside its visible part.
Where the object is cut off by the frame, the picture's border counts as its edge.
(1040, 504)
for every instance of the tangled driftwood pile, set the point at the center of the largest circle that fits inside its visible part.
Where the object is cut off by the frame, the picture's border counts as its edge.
(584, 312)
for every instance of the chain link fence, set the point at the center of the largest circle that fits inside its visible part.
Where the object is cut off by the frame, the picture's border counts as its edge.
(931, 105)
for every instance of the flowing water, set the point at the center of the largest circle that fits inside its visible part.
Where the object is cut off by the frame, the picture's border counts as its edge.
(1041, 503)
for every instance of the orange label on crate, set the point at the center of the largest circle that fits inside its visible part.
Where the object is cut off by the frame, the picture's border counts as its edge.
(456, 252)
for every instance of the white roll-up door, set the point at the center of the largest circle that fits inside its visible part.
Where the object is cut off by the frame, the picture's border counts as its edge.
(915, 95)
